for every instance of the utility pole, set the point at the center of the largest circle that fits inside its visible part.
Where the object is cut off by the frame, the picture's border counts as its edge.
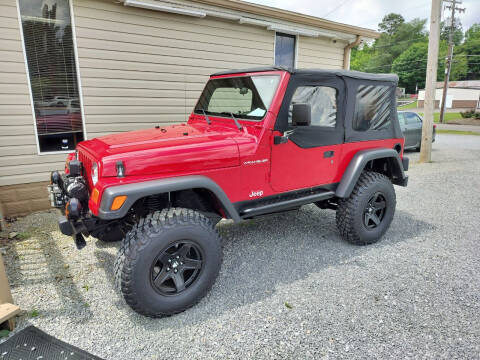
(429, 104)
(449, 59)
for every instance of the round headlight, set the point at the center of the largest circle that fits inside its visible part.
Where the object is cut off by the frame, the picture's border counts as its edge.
(94, 173)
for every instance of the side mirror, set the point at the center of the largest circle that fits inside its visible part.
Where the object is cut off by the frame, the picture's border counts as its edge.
(301, 115)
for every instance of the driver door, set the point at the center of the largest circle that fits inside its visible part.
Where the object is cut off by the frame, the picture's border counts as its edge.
(311, 155)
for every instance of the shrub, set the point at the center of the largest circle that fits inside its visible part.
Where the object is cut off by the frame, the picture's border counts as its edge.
(468, 113)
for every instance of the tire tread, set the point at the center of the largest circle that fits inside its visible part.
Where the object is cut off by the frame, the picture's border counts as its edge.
(348, 207)
(140, 236)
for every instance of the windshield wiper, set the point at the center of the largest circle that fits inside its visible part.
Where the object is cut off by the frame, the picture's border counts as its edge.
(206, 116)
(234, 119)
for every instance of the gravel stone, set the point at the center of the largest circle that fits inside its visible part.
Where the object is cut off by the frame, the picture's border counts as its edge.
(415, 294)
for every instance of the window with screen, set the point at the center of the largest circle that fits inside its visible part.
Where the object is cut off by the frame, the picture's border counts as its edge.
(373, 108)
(323, 102)
(50, 55)
(285, 50)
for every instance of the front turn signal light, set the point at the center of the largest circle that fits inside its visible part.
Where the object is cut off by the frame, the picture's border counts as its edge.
(118, 202)
(94, 196)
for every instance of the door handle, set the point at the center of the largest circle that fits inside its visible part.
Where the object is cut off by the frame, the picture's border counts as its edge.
(328, 154)
(277, 140)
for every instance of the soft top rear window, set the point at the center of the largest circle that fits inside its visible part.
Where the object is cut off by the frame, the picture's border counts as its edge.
(373, 107)
(246, 97)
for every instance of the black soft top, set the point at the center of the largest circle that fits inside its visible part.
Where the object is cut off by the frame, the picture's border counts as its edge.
(321, 73)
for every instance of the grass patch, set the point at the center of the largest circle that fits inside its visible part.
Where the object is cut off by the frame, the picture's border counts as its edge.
(35, 313)
(23, 236)
(457, 132)
(4, 333)
(448, 116)
(412, 105)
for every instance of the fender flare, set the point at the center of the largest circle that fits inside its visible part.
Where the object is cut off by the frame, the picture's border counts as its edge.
(358, 163)
(137, 191)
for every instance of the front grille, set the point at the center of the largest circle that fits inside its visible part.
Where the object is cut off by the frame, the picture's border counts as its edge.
(87, 166)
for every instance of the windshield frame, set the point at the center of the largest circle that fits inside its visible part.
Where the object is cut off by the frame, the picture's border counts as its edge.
(240, 116)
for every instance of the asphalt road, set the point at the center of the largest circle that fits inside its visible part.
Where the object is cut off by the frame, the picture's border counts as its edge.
(415, 294)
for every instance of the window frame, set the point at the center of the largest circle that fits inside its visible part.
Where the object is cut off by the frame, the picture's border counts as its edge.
(295, 50)
(29, 84)
(238, 116)
(356, 103)
(324, 127)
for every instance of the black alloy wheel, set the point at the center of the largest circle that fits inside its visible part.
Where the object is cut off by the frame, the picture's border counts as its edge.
(364, 217)
(374, 211)
(168, 261)
(176, 268)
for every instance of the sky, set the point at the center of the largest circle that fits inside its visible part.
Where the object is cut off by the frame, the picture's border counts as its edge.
(368, 13)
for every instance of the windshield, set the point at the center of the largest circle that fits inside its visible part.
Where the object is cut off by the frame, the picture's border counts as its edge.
(246, 97)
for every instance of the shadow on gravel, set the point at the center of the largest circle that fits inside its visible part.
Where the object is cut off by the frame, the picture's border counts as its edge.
(41, 262)
(262, 254)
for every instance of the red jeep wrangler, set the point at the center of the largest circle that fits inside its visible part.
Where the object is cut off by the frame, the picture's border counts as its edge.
(259, 141)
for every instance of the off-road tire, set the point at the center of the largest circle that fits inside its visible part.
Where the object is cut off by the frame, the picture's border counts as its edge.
(350, 211)
(142, 245)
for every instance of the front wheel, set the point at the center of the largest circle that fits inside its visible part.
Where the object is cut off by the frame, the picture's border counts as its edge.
(168, 262)
(364, 217)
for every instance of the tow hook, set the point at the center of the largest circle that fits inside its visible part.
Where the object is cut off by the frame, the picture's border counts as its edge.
(70, 228)
(80, 241)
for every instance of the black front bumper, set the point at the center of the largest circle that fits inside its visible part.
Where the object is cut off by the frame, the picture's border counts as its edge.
(65, 226)
(60, 198)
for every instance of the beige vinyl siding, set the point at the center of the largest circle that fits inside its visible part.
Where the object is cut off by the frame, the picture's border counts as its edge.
(141, 68)
(320, 53)
(19, 161)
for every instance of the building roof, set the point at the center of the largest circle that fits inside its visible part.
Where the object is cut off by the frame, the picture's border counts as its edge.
(250, 14)
(291, 16)
(314, 72)
(467, 84)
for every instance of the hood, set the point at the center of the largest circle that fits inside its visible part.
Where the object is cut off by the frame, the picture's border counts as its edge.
(176, 148)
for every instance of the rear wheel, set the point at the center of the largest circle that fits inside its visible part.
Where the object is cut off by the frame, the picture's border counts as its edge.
(168, 262)
(364, 217)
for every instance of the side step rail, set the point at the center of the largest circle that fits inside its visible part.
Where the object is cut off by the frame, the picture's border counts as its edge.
(283, 205)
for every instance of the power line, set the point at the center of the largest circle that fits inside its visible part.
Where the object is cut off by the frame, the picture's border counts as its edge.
(403, 11)
(401, 41)
(412, 61)
(338, 7)
(449, 59)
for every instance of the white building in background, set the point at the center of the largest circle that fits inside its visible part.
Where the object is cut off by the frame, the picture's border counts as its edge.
(460, 95)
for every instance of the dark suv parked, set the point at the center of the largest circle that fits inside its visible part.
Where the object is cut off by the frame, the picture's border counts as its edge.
(411, 125)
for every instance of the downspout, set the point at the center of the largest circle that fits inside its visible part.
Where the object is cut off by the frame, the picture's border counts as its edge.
(346, 52)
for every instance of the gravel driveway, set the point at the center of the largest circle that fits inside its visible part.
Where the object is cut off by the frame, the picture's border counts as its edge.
(289, 286)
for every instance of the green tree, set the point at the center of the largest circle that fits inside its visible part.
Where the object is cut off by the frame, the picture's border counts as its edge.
(459, 69)
(380, 56)
(457, 31)
(470, 49)
(390, 23)
(360, 57)
(411, 65)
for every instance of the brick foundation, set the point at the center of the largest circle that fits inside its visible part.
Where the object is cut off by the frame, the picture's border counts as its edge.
(24, 198)
(456, 104)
